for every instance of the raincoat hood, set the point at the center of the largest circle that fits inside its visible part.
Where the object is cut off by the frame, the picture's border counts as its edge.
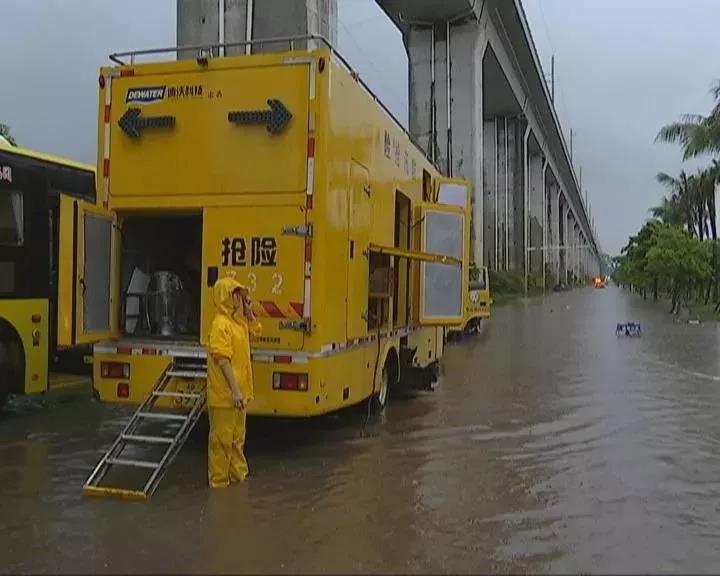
(222, 295)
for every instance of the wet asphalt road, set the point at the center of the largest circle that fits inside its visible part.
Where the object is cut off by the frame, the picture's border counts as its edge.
(551, 445)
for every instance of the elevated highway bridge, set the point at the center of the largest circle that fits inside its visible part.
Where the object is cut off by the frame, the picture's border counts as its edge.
(479, 106)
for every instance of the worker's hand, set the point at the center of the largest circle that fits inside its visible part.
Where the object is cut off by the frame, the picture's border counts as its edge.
(249, 314)
(238, 400)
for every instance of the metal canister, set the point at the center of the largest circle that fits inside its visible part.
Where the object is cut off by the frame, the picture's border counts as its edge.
(166, 303)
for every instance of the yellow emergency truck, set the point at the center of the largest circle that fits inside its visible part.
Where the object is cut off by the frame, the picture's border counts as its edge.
(32, 187)
(283, 170)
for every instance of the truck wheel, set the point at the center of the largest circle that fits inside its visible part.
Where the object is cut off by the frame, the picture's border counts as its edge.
(379, 400)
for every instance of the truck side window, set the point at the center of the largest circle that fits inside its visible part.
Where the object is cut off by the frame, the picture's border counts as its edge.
(11, 218)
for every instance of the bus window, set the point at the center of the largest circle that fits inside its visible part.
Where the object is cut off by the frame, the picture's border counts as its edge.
(11, 218)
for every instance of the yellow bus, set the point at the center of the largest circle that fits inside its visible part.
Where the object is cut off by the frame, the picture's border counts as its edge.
(285, 171)
(476, 306)
(32, 187)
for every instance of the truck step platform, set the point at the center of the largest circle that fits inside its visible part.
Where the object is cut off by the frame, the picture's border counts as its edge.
(134, 438)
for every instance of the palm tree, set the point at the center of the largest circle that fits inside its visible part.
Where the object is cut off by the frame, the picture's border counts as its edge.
(682, 193)
(698, 191)
(696, 134)
(705, 181)
(699, 135)
(669, 211)
(713, 179)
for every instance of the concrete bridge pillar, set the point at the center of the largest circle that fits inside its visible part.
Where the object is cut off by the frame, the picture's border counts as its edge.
(494, 188)
(519, 167)
(226, 21)
(570, 244)
(561, 230)
(552, 239)
(573, 247)
(576, 249)
(534, 218)
(446, 113)
(503, 193)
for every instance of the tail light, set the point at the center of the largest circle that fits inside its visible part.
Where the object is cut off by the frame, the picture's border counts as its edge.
(114, 370)
(286, 381)
(123, 390)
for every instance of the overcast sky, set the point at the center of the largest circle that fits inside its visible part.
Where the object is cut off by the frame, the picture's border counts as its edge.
(624, 68)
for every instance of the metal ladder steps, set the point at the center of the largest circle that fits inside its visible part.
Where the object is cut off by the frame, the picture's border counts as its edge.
(176, 426)
(148, 439)
(133, 463)
(190, 395)
(162, 416)
(188, 372)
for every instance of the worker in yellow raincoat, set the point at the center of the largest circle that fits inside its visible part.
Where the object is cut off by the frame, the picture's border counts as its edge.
(230, 381)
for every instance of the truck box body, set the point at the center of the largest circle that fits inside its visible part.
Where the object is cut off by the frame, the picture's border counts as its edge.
(284, 171)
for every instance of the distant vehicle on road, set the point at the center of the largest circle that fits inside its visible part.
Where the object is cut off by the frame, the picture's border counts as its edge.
(599, 282)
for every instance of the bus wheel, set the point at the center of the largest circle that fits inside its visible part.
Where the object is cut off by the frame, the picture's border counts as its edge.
(12, 363)
(4, 383)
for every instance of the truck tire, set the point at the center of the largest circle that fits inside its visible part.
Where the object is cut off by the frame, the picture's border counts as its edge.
(379, 400)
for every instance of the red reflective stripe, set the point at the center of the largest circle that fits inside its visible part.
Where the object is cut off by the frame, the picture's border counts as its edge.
(106, 167)
(298, 307)
(127, 72)
(309, 202)
(308, 250)
(272, 310)
(149, 351)
(282, 359)
(311, 147)
(107, 113)
(124, 350)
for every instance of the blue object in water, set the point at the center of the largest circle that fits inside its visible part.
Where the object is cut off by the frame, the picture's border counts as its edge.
(628, 329)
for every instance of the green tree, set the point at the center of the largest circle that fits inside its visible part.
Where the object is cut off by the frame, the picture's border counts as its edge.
(681, 260)
(632, 265)
(5, 133)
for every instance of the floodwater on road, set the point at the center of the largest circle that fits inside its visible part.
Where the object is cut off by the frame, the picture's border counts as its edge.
(551, 445)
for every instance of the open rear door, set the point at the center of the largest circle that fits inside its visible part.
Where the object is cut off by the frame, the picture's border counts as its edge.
(443, 261)
(443, 285)
(88, 283)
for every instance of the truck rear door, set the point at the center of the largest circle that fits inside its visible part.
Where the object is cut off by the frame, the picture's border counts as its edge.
(443, 286)
(88, 273)
(263, 247)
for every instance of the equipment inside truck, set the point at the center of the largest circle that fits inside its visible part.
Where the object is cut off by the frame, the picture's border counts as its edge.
(161, 275)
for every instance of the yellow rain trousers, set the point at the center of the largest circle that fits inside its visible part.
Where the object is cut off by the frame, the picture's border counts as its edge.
(226, 460)
(229, 339)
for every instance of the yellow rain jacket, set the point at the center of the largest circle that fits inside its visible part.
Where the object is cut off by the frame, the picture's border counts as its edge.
(229, 338)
